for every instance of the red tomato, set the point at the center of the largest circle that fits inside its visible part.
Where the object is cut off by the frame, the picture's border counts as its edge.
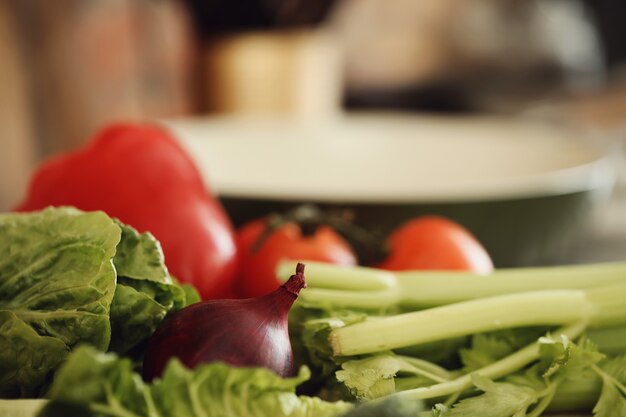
(257, 273)
(435, 243)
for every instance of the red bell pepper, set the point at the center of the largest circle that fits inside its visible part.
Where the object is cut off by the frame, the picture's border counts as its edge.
(139, 174)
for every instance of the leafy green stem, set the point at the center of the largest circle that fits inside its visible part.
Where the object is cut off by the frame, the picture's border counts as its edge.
(428, 369)
(606, 376)
(498, 369)
(545, 401)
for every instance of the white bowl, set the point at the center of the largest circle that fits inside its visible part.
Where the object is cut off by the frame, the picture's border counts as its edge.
(391, 167)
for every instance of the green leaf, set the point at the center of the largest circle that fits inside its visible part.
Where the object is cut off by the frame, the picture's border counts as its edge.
(145, 292)
(26, 358)
(611, 402)
(440, 410)
(532, 377)
(615, 367)
(89, 377)
(135, 315)
(57, 278)
(380, 375)
(500, 399)
(566, 359)
(314, 338)
(191, 294)
(100, 384)
(371, 377)
(485, 349)
(139, 256)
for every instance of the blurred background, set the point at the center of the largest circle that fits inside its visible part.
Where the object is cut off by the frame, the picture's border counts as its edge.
(69, 67)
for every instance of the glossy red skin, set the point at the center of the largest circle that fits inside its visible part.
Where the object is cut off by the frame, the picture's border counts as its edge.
(257, 270)
(139, 174)
(435, 243)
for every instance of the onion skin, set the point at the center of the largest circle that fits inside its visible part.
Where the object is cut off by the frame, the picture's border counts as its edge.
(249, 332)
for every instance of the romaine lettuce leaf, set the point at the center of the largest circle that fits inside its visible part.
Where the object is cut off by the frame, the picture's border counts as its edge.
(57, 282)
(145, 292)
(91, 383)
(26, 358)
(70, 277)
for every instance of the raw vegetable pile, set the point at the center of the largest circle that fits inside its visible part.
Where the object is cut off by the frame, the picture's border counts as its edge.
(93, 324)
(510, 344)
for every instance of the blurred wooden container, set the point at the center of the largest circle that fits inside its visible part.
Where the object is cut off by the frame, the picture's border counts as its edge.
(293, 72)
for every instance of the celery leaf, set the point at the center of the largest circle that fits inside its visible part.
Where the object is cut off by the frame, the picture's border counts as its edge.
(611, 402)
(485, 349)
(500, 399)
(567, 359)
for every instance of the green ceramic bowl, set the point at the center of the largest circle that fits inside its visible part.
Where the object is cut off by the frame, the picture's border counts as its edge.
(527, 191)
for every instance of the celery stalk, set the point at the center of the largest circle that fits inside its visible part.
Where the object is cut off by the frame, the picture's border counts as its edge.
(371, 288)
(610, 340)
(600, 307)
(553, 307)
(608, 305)
(331, 276)
(423, 290)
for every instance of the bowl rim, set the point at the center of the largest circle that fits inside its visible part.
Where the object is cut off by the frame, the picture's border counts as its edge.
(597, 173)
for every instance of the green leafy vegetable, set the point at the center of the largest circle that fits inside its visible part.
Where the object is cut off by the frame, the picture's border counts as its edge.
(487, 348)
(612, 399)
(500, 399)
(26, 358)
(139, 256)
(488, 331)
(145, 292)
(611, 402)
(371, 377)
(314, 336)
(191, 294)
(380, 375)
(530, 392)
(69, 277)
(440, 410)
(56, 286)
(97, 384)
(135, 314)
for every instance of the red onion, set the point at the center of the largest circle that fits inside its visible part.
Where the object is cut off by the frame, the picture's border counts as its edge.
(248, 332)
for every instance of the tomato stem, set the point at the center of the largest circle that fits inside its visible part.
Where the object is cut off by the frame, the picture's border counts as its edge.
(310, 217)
